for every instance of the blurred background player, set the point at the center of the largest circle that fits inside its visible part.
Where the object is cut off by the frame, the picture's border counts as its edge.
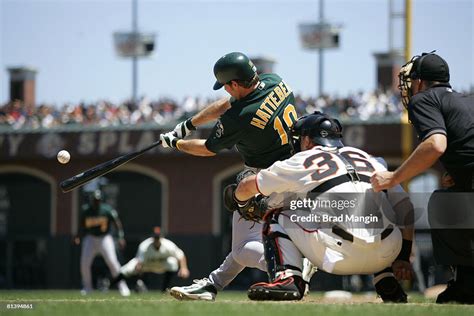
(156, 255)
(255, 120)
(94, 234)
(444, 122)
(325, 165)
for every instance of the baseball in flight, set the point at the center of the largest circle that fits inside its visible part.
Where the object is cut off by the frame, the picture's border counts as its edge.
(63, 156)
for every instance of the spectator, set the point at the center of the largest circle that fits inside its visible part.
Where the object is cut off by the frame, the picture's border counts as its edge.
(361, 105)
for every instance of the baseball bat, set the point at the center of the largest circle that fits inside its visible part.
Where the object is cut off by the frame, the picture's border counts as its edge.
(103, 168)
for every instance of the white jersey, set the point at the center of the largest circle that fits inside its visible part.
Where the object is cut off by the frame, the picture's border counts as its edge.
(310, 169)
(147, 253)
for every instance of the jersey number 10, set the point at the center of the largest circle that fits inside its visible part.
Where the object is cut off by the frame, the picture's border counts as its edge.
(289, 117)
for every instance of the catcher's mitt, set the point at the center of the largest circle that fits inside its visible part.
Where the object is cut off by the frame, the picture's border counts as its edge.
(251, 210)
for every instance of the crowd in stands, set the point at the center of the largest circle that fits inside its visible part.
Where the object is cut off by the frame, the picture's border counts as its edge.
(361, 106)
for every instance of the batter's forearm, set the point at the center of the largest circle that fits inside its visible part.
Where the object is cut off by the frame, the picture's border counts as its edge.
(196, 147)
(211, 112)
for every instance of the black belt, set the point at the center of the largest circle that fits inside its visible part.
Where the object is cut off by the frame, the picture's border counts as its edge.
(349, 237)
(326, 186)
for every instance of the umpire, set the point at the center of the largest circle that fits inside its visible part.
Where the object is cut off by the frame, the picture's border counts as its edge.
(444, 122)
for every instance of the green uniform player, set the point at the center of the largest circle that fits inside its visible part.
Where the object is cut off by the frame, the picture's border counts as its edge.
(97, 221)
(255, 120)
(257, 124)
(95, 237)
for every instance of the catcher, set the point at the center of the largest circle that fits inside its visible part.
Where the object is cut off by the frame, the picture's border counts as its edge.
(324, 167)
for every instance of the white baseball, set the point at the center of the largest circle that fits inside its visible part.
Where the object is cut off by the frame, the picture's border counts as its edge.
(63, 156)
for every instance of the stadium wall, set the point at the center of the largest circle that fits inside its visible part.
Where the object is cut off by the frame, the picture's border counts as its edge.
(181, 193)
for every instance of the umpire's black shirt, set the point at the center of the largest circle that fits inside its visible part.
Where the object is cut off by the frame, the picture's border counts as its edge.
(440, 110)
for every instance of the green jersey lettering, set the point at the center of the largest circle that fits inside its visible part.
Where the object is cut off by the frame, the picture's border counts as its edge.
(257, 124)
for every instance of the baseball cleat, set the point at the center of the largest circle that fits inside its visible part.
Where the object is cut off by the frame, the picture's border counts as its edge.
(140, 286)
(289, 289)
(390, 291)
(123, 288)
(456, 293)
(202, 289)
(85, 292)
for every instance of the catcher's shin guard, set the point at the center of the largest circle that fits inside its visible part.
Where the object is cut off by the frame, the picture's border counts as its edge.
(273, 253)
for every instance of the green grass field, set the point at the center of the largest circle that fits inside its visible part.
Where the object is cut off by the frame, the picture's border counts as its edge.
(68, 303)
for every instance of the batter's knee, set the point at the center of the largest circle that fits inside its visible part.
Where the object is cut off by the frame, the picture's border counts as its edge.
(250, 255)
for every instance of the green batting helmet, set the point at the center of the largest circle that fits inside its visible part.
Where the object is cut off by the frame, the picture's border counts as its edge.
(233, 66)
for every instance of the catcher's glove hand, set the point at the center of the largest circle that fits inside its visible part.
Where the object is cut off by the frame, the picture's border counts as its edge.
(251, 210)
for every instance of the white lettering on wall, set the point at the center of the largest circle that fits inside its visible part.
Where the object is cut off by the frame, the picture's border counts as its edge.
(86, 143)
(106, 140)
(14, 141)
(124, 146)
(49, 145)
(147, 138)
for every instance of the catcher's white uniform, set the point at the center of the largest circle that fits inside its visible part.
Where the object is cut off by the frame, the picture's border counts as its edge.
(352, 248)
(165, 259)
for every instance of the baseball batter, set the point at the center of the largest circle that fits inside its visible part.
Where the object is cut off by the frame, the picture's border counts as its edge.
(157, 255)
(255, 120)
(339, 243)
(95, 223)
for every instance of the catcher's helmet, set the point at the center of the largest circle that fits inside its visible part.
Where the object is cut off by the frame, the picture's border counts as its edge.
(322, 129)
(233, 66)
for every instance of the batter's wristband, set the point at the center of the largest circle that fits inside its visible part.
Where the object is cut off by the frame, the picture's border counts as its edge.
(121, 235)
(406, 250)
(189, 124)
(174, 143)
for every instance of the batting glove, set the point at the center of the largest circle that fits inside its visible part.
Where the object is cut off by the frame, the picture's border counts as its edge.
(184, 129)
(169, 140)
